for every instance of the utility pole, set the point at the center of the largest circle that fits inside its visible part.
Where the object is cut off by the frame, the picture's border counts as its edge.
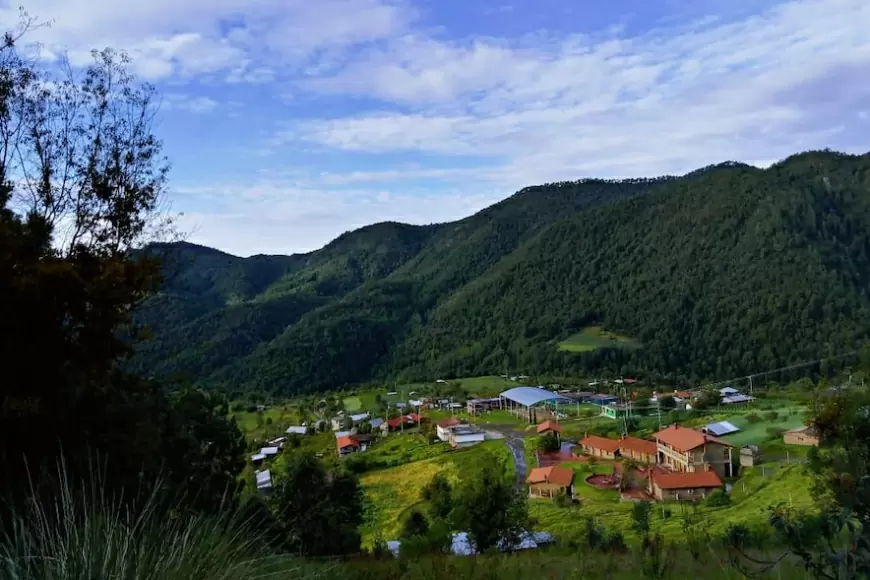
(750, 385)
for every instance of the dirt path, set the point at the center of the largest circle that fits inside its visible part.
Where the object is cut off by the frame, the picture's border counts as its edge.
(516, 446)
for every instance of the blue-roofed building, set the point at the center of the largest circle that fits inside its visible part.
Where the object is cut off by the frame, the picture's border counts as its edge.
(535, 404)
(721, 428)
(376, 423)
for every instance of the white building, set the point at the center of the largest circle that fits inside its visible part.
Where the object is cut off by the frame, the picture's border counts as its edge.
(264, 480)
(296, 430)
(465, 436)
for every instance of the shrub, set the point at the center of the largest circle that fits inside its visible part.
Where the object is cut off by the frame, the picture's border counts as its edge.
(753, 418)
(771, 416)
(718, 499)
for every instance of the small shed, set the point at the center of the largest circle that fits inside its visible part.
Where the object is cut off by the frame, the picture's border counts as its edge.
(750, 455)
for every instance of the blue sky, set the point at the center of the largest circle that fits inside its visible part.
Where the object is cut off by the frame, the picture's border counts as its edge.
(289, 122)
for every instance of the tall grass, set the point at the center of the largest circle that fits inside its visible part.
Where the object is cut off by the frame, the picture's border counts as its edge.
(80, 533)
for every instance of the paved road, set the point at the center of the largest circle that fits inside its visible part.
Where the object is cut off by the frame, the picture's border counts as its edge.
(516, 446)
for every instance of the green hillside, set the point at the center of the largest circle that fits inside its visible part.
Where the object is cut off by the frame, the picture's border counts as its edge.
(725, 271)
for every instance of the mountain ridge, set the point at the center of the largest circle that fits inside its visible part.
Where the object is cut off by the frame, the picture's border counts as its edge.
(499, 288)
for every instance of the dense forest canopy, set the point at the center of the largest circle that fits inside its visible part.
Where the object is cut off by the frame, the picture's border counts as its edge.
(723, 272)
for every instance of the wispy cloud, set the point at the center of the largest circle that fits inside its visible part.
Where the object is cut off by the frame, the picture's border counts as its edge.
(666, 101)
(337, 113)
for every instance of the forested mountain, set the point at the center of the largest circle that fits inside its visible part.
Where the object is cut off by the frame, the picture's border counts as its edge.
(725, 271)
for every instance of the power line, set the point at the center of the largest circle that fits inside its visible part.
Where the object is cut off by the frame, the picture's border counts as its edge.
(787, 368)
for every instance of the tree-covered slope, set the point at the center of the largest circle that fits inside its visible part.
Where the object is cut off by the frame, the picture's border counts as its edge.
(727, 270)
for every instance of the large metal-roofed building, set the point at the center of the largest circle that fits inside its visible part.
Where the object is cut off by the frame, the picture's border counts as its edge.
(534, 404)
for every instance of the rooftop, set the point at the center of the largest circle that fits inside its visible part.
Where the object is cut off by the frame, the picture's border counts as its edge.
(549, 426)
(346, 441)
(597, 442)
(554, 474)
(686, 480)
(685, 439)
(452, 421)
(638, 445)
(529, 396)
(722, 428)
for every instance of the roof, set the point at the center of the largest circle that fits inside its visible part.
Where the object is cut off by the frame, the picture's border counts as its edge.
(269, 450)
(602, 396)
(722, 428)
(549, 426)
(342, 434)
(638, 445)
(528, 396)
(264, 479)
(728, 391)
(377, 422)
(686, 480)
(597, 442)
(449, 422)
(738, 398)
(554, 474)
(808, 429)
(685, 439)
(258, 457)
(346, 441)
(404, 419)
(359, 417)
(297, 430)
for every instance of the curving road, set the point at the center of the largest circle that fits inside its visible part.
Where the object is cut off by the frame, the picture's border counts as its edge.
(516, 446)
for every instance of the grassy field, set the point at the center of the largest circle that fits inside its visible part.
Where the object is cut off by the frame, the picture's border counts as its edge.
(753, 493)
(594, 337)
(757, 433)
(391, 493)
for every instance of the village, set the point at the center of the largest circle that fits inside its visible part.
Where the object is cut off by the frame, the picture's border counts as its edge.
(566, 446)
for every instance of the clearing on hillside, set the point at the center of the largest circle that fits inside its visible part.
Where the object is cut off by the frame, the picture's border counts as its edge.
(767, 427)
(352, 404)
(595, 337)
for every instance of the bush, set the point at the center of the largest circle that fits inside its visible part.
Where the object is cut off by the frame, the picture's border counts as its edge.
(775, 432)
(771, 416)
(753, 418)
(548, 443)
(718, 499)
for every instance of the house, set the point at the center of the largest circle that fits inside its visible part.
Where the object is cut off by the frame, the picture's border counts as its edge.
(579, 396)
(359, 418)
(550, 481)
(603, 399)
(349, 444)
(475, 406)
(750, 455)
(257, 457)
(410, 420)
(415, 403)
(465, 436)
(728, 391)
(683, 486)
(549, 426)
(638, 449)
(721, 428)
(296, 430)
(264, 480)
(269, 451)
(738, 398)
(684, 449)
(401, 405)
(279, 442)
(376, 423)
(444, 426)
(805, 435)
(599, 446)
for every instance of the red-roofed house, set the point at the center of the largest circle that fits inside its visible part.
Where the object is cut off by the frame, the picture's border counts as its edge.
(683, 449)
(549, 426)
(638, 449)
(347, 444)
(445, 426)
(409, 420)
(550, 481)
(685, 485)
(599, 446)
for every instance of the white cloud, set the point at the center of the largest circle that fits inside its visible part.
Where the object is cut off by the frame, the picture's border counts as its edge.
(667, 101)
(172, 38)
(275, 218)
(191, 104)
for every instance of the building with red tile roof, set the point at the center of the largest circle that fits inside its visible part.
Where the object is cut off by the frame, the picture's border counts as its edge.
(549, 426)
(550, 481)
(683, 485)
(599, 446)
(684, 449)
(638, 449)
(347, 444)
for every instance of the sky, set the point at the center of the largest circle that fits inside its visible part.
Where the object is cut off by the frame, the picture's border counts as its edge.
(289, 122)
